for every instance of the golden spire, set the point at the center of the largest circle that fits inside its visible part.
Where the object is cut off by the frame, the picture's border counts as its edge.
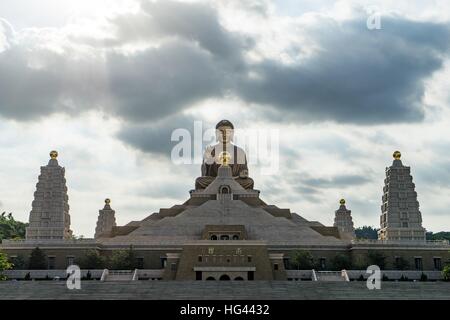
(342, 201)
(224, 158)
(397, 155)
(53, 154)
(107, 201)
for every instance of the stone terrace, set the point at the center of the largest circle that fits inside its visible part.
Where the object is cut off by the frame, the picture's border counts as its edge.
(198, 290)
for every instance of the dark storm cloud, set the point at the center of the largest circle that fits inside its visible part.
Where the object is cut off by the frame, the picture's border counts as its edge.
(38, 82)
(358, 76)
(160, 82)
(195, 22)
(155, 137)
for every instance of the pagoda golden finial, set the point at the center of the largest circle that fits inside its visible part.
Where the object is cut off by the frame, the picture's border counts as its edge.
(342, 201)
(107, 201)
(397, 155)
(224, 158)
(53, 154)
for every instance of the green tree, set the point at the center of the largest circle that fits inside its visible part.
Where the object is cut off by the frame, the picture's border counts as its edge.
(446, 273)
(123, 260)
(341, 261)
(38, 260)
(19, 263)
(4, 265)
(401, 264)
(92, 260)
(302, 260)
(10, 228)
(443, 235)
(366, 232)
(377, 258)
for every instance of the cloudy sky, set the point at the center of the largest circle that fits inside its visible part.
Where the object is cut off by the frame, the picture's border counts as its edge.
(106, 82)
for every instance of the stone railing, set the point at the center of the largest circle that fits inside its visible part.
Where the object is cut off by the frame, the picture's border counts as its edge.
(23, 242)
(432, 243)
(397, 274)
(95, 274)
(352, 275)
(48, 274)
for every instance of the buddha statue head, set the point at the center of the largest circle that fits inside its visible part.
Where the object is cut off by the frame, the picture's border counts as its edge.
(224, 131)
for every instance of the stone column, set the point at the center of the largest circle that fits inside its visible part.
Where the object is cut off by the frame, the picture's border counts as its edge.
(344, 222)
(400, 217)
(106, 221)
(49, 216)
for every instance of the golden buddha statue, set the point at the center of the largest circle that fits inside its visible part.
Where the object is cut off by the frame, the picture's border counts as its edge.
(227, 154)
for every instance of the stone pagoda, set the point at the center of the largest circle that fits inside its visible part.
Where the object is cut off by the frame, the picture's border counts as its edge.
(343, 221)
(49, 217)
(106, 220)
(400, 216)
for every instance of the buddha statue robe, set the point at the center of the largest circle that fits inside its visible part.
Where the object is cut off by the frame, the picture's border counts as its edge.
(211, 164)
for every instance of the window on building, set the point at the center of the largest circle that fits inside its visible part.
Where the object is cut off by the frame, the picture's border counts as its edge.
(51, 263)
(404, 224)
(249, 258)
(140, 263)
(213, 237)
(70, 260)
(198, 275)
(173, 267)
(224, 237)
(275, 266)
(437, 264)
(200, 258)
(287, 263)
(235, 237)
(418, 263)
(251, 275)
(163, 262)
(323, 263)
(404, 215)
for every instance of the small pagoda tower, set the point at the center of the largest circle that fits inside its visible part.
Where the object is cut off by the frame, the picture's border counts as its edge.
(400, 217)
(106, 220)
(49, 216)
(343, 221)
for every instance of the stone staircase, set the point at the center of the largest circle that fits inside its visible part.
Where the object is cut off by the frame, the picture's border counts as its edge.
(119, 275)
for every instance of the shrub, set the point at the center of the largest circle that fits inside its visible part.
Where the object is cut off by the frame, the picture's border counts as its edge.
(385, 278)
(401, 264)
(302, 260)
(123, 260)
(446, 273)
(27, 276)
(361, 278)
(377, 258)
(38, 260)
(341, 261)
(403, 278)
(4, 264)
(92, 260)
